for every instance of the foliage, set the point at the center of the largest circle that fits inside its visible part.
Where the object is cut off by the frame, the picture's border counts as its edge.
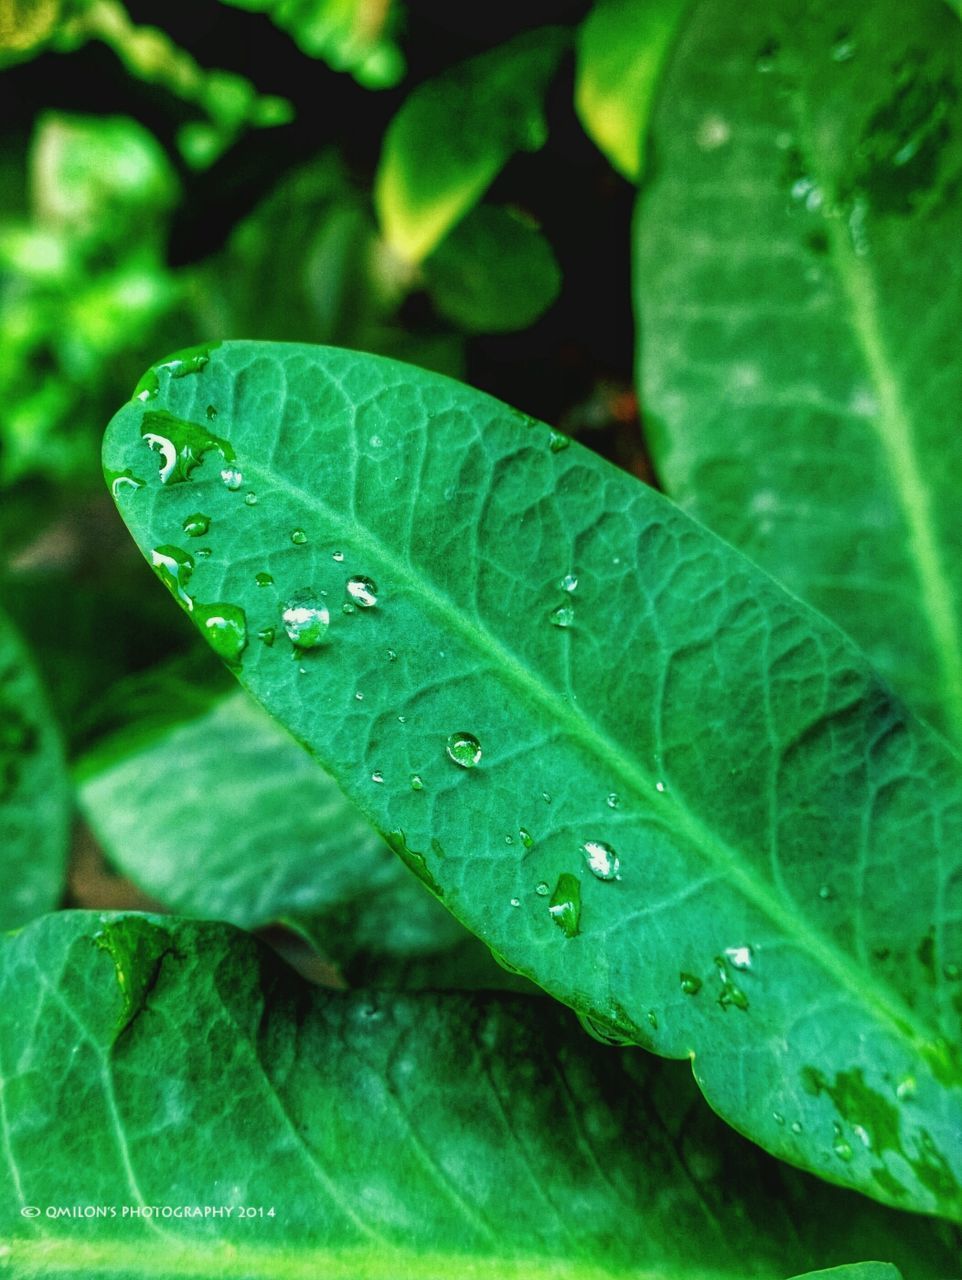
(531, 734)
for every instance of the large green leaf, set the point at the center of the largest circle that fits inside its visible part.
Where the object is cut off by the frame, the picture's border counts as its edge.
(151, 1062)
(857, 1271)
(648, 777)
(34, 790)
(455, 133)
(622, 46)
(799, 293)
(222, 815)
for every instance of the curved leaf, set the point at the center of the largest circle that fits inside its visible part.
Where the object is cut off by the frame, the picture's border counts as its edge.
(857, 1271)
(455, 133)
(495, 272)
(34, 790)
(224, 816)
(801, 399)
(391, 1138)
(649, 778)
(622, 46)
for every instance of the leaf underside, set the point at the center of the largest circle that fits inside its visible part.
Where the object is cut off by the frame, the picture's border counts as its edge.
(781, 839)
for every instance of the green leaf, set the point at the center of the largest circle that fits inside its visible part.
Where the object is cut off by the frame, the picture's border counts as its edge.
(857, 1271)
(155, 1062)
(798, 400)
(222, 815)
(622, 46)
(349, 35)
(652, 780)
(495, 272)
(455, 133)
(34, 790)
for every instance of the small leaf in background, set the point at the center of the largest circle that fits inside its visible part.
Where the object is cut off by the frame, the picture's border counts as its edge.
(494, 272)
(541, 632)
(27, 26)
(152, 1061)
(799, 299)
(857, 1271)
(622, 47)
(269, 837)
(34, 791)
(349, 35)
(455, 133)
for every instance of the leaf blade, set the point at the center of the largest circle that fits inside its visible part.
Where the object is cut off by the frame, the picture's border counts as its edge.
(745, 735)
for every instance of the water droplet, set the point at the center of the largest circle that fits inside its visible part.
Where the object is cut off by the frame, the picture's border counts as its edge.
(211, 413)
(306, 620)
(542, 889)
(416, 782)
(148, 388)
(190, 360)
(182, 445)
(740, 957)
(298, 537)
(250, 499)
(516, 902)
(690, 984)
(527, 839)
(347, 607)
(826, 892)
(391, 655)
(731, 995)
(359, 696)
(613, 800)
(267, 635)
(263, 579)
(377, 776)
(402, 719)
(545, 797)
(558, 442)
(602, 860)
(569, 583)
(225, 628)
(121, 480)
(796, 1126)
(232, 478)
(509, 839)
(660, 788)
(778, 1118)
(841, 1147)
(174, 568)
(565, 904)
(766, 57)
(563, 616)
(196, 526)
(906, 1089)
(362, 591)
(464, 749)
(952, 971)
(338, 556)
(376, 442)
(652, 1019)
(843, 50)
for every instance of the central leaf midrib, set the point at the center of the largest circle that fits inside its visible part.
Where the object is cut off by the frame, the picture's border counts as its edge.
(632, 775)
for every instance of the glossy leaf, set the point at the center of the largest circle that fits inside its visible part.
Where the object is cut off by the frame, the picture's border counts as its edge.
(222, 815)
(495, 272)
(800, 398)
(455, 133)
(622, 46)
(392, 1138)
(650, 779)
(34, 790)
(858, 1271)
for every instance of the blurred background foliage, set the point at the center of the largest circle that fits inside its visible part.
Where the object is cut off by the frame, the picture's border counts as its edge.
(447, 184)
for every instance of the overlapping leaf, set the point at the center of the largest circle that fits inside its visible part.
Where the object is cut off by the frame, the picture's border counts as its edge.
(799, 295)
(364, 1137)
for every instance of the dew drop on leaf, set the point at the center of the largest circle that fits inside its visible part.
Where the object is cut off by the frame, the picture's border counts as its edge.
(362, 591)
(232, 478)
(263, 579)
(416, 782)
(174, 568)
(250, 499)
(298, 537)
(569, 583)
(602, 860)
(306, 620)
(613, 800)
(377, 776)
(225, 629)
(338, 556)
(558, 442)
(740, 957)
(196, 526)
(840, 1145)
(565, 904)
(690, 984)
(527, 839)
(121, 480)
(464, 749)
(267, 635)
(563, 616)
(211, 413)
(542, 889)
